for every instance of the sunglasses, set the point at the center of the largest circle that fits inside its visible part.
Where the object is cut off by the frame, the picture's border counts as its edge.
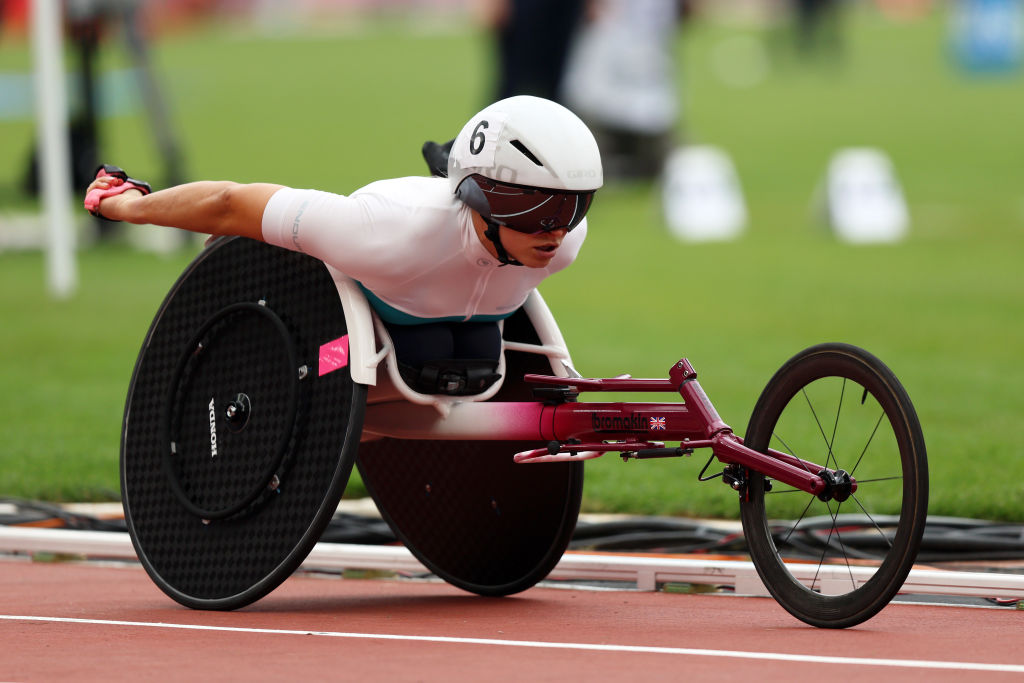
(532, 210)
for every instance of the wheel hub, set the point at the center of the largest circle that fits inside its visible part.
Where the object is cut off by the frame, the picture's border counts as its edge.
(838, 485)
(237, 413)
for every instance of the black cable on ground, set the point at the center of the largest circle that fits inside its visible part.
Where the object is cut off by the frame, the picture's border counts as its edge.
(20, 512)
(946, 539)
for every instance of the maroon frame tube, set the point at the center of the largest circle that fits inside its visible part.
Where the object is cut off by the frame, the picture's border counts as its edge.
(632, 426)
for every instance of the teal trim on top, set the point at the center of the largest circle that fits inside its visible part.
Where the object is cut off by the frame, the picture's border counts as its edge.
(390, 314)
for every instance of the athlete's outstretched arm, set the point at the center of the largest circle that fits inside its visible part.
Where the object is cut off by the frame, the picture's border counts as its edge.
(212, 207)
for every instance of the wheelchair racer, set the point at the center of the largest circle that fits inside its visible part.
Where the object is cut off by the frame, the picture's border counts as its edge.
(441, 259)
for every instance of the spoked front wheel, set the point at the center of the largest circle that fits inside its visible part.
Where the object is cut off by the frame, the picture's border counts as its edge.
(835, 563)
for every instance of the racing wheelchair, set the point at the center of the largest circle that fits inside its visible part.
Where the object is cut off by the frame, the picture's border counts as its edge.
(266, 377)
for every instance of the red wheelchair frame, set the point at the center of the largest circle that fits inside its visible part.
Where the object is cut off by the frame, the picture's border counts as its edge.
(695, 423)
(576, 431)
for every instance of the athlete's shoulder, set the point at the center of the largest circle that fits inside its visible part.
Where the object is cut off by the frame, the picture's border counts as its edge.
(416, 191)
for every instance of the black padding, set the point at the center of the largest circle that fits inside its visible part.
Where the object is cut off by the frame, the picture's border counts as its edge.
(464, 509)
(454, 377)
(280, 467)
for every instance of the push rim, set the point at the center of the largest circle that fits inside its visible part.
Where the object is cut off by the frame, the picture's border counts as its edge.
(195, 351)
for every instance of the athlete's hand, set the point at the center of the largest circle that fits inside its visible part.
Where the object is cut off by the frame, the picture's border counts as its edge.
(107, 206)
(104, 182)
(112, 188)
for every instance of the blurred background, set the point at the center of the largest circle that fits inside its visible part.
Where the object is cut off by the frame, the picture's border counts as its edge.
(780, 173)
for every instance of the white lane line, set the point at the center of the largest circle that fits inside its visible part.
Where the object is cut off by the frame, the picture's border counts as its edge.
(642, 649)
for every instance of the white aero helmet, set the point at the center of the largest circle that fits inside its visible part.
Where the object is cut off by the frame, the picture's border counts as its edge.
(526, 163)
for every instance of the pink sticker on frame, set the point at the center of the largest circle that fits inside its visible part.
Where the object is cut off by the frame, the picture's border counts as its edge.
(333, 355)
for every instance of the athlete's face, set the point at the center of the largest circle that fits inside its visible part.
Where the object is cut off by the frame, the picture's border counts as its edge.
(533, 251)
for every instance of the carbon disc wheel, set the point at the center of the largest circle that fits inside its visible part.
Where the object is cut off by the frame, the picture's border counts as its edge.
(237, 445)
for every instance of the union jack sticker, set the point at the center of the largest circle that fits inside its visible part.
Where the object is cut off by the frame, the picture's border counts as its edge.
(656, 423)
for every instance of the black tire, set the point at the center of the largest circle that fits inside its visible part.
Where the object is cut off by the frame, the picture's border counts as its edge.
(841, 407)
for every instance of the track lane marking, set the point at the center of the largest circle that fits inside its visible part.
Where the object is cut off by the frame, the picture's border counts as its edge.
(594, 647)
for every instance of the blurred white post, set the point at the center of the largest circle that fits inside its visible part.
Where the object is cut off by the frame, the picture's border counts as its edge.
(52, 139)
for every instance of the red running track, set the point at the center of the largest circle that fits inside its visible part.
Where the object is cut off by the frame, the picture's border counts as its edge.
(85, 622)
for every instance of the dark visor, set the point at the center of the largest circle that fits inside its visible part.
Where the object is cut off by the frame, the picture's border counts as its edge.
(532, 210)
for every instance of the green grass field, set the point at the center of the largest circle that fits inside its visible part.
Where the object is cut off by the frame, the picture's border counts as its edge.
(945, 309)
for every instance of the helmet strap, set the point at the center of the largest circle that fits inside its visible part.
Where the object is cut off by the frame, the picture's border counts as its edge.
(493, 233)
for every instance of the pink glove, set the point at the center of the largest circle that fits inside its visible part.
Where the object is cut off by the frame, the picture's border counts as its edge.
(93, 198)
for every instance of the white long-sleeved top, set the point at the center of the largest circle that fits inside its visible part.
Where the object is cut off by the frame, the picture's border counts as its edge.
(411, 244)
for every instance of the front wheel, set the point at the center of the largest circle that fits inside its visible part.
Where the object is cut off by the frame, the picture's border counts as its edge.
(835, 564)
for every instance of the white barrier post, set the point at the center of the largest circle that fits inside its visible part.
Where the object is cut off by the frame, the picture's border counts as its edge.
(52, 139)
